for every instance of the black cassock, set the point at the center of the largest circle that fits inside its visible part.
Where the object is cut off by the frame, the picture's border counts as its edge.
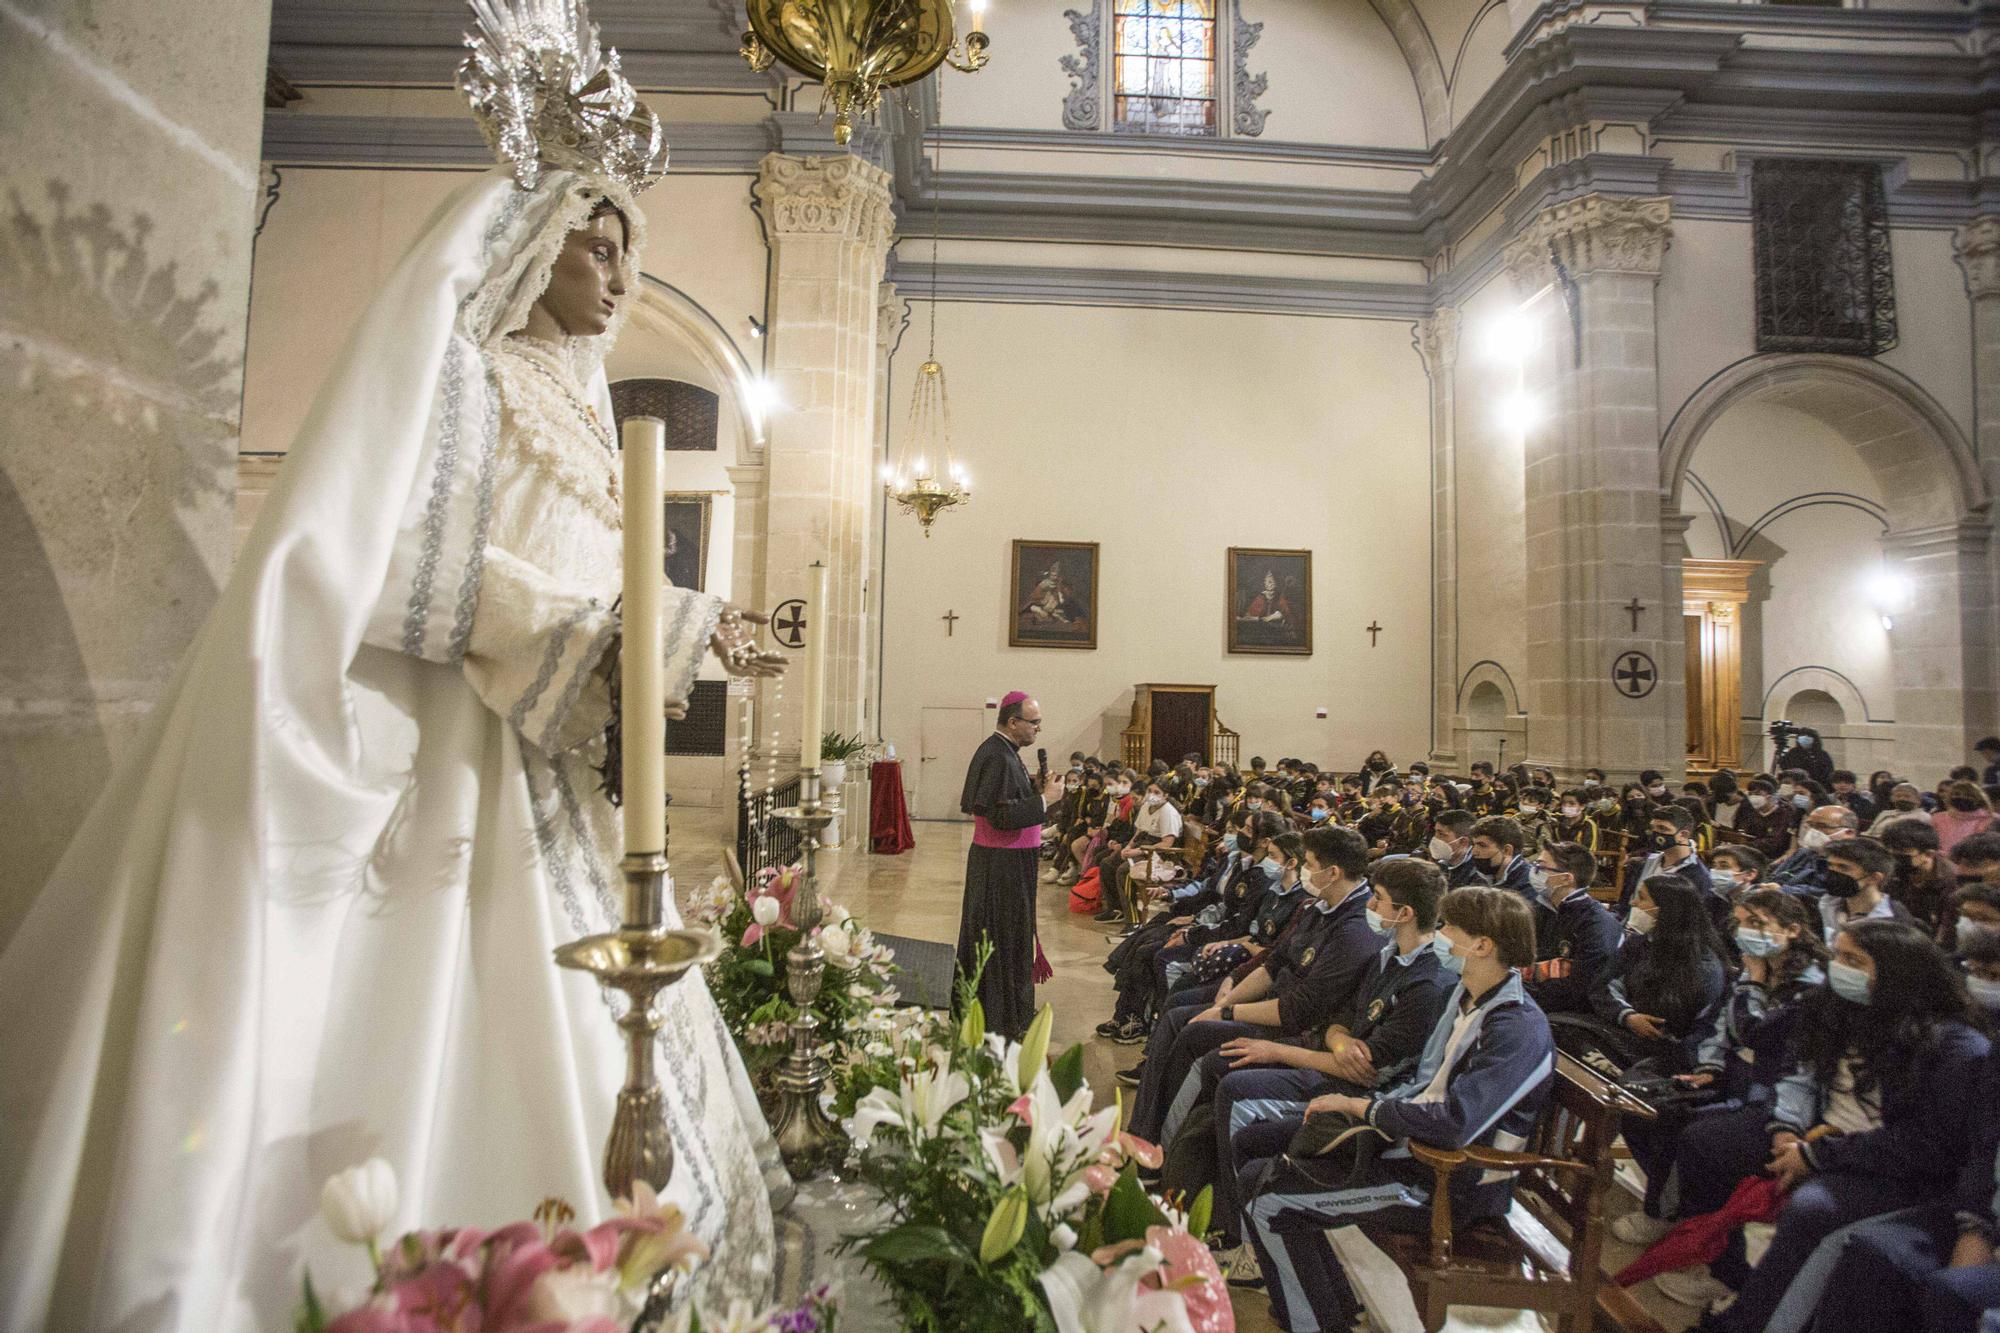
(1000, 883)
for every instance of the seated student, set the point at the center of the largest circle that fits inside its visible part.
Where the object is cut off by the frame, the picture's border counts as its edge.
(1858, 871)
(1131, 963)
(1296, 989)
(1534, 813)
(1572, 822)
(1768, 821)
(1670, 850)
(1891, 1059)
(1924, 880)
(1732, 867)
(1483, 1078)
(1580, 937)
(1743, 1055)
(1255, 1081)
(1156, 824)
(1968, 811)
(1662, 991)
(1847, 791)
(1497, 844)
(1901, 801)
(1378, 826)
(1450, 847)
(1979, 956)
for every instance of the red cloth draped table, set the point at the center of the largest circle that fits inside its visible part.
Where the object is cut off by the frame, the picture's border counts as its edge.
(888, 815)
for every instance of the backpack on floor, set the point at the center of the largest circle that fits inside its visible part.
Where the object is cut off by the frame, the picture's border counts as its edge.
(1084, 895)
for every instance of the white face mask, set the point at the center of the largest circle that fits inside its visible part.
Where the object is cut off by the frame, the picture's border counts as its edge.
(1985, 994)
(1785, 789)
(1969, 930)
(1812, 839)
(1530, 808)
(1154, 800)
(1441, 850)
(1572, 812)
(1253, 806)
(1723, 877)
(1641, 922)
(1758, 800)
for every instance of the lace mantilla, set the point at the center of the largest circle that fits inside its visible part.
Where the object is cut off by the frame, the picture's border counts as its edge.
(556, 432)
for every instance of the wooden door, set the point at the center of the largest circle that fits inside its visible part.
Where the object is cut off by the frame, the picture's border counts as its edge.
(1180, 724)
(947, 738)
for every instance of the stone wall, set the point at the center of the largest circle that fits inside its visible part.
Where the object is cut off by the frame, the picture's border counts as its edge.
(128, 153)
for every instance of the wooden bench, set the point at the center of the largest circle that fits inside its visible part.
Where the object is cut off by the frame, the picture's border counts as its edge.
(1546, 1254)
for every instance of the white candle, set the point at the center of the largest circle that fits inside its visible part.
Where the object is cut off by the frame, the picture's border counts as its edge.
(815, 684)
(643, 707)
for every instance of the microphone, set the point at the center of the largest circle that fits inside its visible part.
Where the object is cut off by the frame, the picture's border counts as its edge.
(1042, 765)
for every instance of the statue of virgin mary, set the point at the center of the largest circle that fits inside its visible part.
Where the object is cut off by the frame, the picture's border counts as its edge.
(310, 920)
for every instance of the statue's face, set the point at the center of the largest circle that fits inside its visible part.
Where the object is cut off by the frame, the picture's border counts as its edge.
(589, 277)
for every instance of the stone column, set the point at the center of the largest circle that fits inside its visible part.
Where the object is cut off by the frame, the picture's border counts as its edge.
(891, 310)
(828, 220)
(128, 173)
(1586, 269)
(1436, 339)
(1942, 652)
(1977, 248)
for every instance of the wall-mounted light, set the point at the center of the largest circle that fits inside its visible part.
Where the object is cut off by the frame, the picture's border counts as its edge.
(1508, 335)
(1520, 412)
(1889, 593)
(756, 326)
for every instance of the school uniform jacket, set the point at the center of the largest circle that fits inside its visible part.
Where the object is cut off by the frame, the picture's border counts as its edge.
(1396, 1007)
(1930, 1120)
(1580, 941)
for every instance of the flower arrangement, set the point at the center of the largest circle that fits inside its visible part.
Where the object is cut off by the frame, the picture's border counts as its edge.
(748, 979)
(536, 1276)
(1010, 1203)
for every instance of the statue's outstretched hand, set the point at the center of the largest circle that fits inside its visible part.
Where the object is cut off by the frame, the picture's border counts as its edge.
(735, 643)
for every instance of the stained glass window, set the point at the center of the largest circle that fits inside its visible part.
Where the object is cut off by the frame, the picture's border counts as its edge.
(1163, 66)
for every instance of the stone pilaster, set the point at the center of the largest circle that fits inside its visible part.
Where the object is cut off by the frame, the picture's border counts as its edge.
(1943, 637)
(828, 220)
(1586, 269)
(1976, 246)
(891, 310)
(1436, 340)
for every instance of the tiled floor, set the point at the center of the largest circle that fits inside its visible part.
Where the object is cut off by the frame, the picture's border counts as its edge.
(917, 895)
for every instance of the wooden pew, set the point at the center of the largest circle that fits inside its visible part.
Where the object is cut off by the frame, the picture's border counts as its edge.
(1546, 1254)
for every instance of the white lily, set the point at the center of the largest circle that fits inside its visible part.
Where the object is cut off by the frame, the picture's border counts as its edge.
(918, 1106)
(1084, 1298)
(1063, 1139)
(1006, 1054)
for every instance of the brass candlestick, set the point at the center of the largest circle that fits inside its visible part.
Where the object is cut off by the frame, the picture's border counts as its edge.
(641, 958)
(808, 1139)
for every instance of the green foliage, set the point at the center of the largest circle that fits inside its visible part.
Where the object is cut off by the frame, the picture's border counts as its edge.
(1129, 1210)
(310, 1317)
(1066, 1074)
(834, 748)
(1201, 1211)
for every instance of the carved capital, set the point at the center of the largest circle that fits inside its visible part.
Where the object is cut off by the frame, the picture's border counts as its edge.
(1437, 340)
(1595, 234)
(1976, 247)
(890, 312)
(843, 197)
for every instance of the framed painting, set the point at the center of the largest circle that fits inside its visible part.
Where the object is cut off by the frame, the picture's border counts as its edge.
(1270, 601)
(687, 539)
(1052, 595)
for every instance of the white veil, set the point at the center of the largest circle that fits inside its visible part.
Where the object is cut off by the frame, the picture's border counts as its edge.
(154, 1133)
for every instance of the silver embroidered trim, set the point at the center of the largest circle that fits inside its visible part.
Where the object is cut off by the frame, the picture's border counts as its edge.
(593, 652)
(417, 623)
(1083, 109)
(517, 716)
(482, 515)
(710, 614)
(1246, 117)
(550, 847)
(586, 845)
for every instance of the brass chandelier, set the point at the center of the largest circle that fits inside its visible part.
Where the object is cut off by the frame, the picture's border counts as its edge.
(856, 48)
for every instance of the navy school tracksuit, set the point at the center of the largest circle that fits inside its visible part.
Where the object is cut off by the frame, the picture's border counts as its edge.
(1483, 1078)
(1577, 941)
(1394, 1011)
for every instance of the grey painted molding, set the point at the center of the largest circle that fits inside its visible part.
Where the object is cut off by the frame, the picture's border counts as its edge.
(1245, 116)
(1083, 108)
(296, 138)
(1188, 145)
(1045, 285)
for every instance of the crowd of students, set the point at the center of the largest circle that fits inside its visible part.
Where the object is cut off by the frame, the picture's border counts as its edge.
(1798, 970)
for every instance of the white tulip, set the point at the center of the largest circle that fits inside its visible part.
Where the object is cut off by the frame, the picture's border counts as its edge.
(569, 1295)
(360, 1202)
(836, 943)
(764, 910)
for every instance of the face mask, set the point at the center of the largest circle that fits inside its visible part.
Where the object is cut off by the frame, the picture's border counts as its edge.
(1530, 808)
(1375, 921)
(1725, 879)
(1969, 930)
(1201, 782)
(1805, 742)
(1317, 814)
(1641, 922)
(1273, 866)
(1660, 842)
(1572, 812)
(1538, 880)
(1985, 994)
(1786, 789)
(1656, 791)
(1802, 801)
(1253, 806)
(1758, 800)
(1757, 944)
(1440, 850)
(1812, 839)
(1452, 962)
(1155, 801)
(1842, 886)
(1849, 983)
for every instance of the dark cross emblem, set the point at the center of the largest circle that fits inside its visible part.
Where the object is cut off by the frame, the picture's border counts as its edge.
(1633, 608)
(1373, 630)
(950, 619)
(788, 623)
(1634, 675)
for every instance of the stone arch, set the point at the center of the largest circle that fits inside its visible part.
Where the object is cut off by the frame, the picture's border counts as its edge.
(1426, 67)
(1485, 673)
(1942, 655)
(712, 359)
(1927, 469)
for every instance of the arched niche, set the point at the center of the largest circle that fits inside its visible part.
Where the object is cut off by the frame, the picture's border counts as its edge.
(1934, 552)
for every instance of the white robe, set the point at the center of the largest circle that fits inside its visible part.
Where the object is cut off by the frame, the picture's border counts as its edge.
(313, 922)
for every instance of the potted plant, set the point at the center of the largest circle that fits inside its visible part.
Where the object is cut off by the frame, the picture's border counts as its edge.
(834, 752)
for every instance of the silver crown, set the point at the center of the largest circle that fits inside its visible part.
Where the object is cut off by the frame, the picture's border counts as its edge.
(544, 95)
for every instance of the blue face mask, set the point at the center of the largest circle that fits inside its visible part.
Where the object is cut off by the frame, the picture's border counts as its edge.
(1273, 866)
(1452, 962)
(1538, 880)
(1375, 921)
(1850, 983)
(1757, 944)
(1229, 842)
(1317, 814)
